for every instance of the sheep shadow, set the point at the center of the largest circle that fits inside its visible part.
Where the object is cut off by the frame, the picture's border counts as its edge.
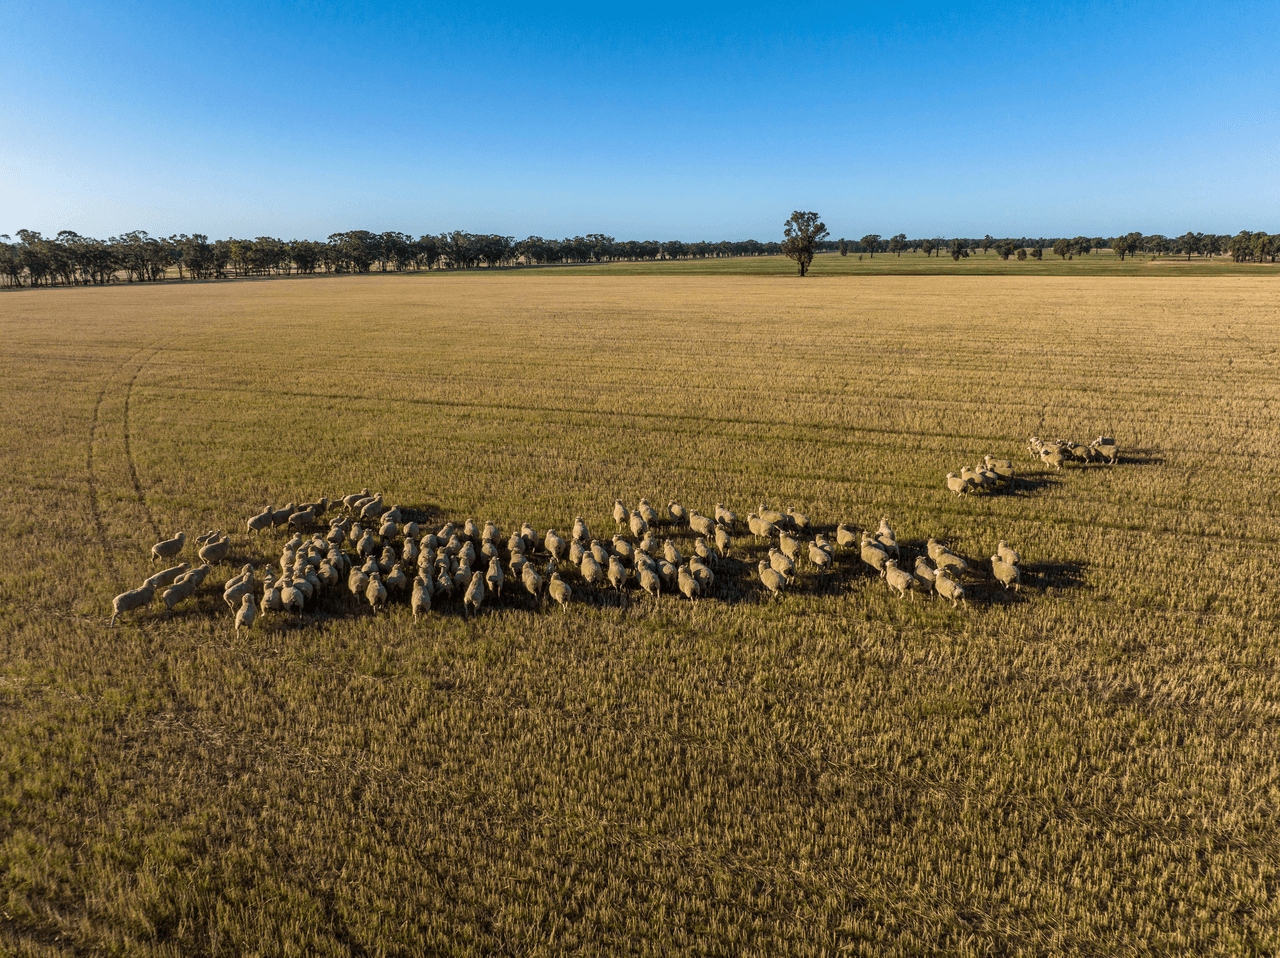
(1057, 575)
(1141, 457)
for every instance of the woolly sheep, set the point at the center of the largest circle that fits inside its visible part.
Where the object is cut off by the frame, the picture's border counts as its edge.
(899, 579)
(873, 554)
(702, 574)
(183, 588)
(258, 523)
(133, 599)
(168, 548)
(771, 579)
(772, 515)
(638, 526)
(216, 550)
(671, 553)
(580, 531)
(558, 548)
(531, 580)
(798, 520)
(1007, 554)
(1006, 573)
(924, 575)
(396, 579)
(782, 565)
(375, 593)
(623, 549)
(725, 516)
(621, 515)
(247, 613)
(650, 582)
(599, 552)
(845, 536)
(281, 516)
(648, 513)
(789, 545)
(474, 595)
(957, 485)
(618, 574)
(576, 551)
(679, 514)
(560, 591)
(949, 588)
(948, 561)
(167, 577)
(723, 541)
(701, 524)
(494, 577)
(591, 571)
(1106, 447)
(687, 583)
(421, 599)
(819, 557)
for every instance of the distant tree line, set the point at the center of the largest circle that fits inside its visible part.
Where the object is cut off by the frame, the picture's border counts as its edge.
(31, 259)
(71, 259)
(1244, 247)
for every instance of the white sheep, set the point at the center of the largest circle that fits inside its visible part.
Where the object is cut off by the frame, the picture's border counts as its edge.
(559, 590)
(247, 613)
(899, 579)
(133, 599)
(771, 579)
(168, 548)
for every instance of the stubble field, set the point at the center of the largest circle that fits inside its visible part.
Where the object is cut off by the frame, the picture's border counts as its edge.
(1090, 766)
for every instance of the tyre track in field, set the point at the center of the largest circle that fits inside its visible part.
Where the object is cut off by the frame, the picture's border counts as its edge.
(95, 502)
(128, 446)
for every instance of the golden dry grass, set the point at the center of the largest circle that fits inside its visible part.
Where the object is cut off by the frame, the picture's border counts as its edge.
(1088, 767)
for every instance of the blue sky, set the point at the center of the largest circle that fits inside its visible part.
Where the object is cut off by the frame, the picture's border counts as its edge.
(657, 121)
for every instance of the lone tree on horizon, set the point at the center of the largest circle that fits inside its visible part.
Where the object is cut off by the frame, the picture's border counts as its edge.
(803, 233)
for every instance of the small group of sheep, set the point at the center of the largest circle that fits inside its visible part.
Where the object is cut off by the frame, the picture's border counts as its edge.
(984, 478)
(1058, 452)
(178, 582)
(939, 571)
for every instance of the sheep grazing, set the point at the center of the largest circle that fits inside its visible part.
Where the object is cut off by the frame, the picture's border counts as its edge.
(957, 485)
(618, 574)
(1007, 554)
(949, 588)
(1106, 448)
(687, 583)
(638, 525)
(215, 550)
(845, 537)
(702, 573)
(128, 601)
(798, 520)
(820, 557)
(168, 548)
(183, 588)
(873, 553)
(899, 579)
(725, 517)
(1006, 573)
(592, 574)
(650, 582)
(420, 602)
(671, 553)
(648, 513)
(494, 577)
(679, 514)
(560, 591)
(375, 592)
(558, 548)
(723, 541)
(621, 515)
(771, 579)
(258, 523)
(531, 580)
(1002, 468)
(789, 545)
(782, 565)
(701, 524)
(167, 577)
(247, 613)
(924, 575)
(474, 596)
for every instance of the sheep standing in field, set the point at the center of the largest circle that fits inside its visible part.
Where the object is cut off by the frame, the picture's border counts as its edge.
(773, 516)
(618, 573)
(1007, 554)
(247, 613)
(958, 485)
(375, 592)
(128, 601)
(949, 588)
(679, 514)
(1006, 573)
(924, 575)
(899, 579)
(725, 517)
(1053, 455)
(301, 519)
(723, 541)
(701, 524)
(789, 545)
(648, 513)
(592, 573)
(1002, 468)
(421, 601)
(650, 582)
(845, 537)
(531, 580)
(671, 553)
(951, 563)
(580, 531)
(494, 577)
(687, 583)
(167, 577)
(799, 521)
(281, 516)
(782, 565)
(168, 548)
(258, 523)
(702, 574)
(760, 527)
(621, 514)
(238, 585)
(560, 591)
(183, 588)
(474, 596)
(873, 553)
(215, 550)
(558, 548)
(819, 557)
(1106, 447)
(638, 526)
(771, 579)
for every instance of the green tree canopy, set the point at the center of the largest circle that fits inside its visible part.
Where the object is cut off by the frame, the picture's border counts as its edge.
(802, 233)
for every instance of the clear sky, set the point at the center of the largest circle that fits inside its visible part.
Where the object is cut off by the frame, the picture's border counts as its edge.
(643, 121)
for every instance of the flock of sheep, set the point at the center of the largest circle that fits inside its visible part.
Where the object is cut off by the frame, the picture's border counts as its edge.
(380, 555)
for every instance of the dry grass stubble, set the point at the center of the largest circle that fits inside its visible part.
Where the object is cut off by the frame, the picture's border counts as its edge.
(1088, 767)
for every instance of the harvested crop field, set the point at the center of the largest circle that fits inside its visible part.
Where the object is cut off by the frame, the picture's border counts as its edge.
(1087, 766)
